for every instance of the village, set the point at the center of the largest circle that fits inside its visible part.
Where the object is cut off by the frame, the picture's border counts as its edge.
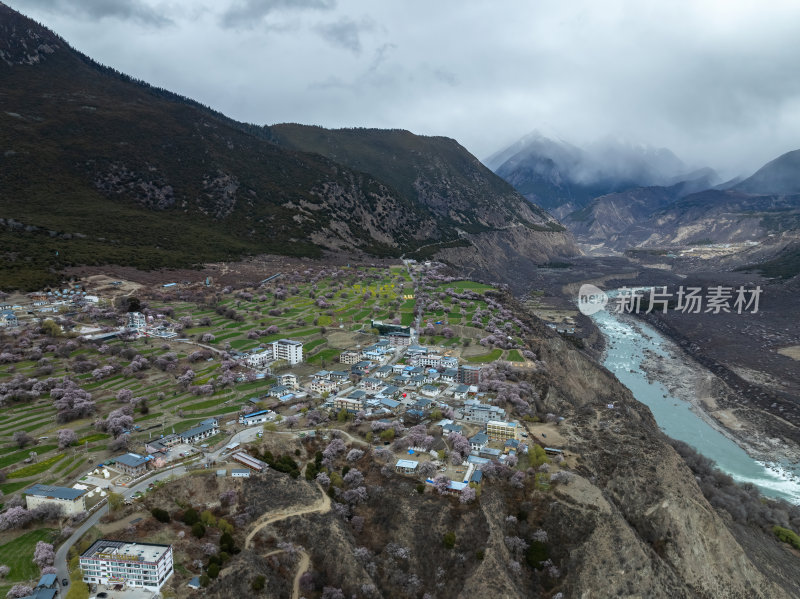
(408, 367)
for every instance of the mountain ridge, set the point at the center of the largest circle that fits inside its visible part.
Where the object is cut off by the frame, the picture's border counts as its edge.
(101, 168)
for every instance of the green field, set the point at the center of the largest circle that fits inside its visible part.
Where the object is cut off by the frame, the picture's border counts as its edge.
(515, 356)
(490, 357)
(18, 554)
(37, 468)
(325, 354)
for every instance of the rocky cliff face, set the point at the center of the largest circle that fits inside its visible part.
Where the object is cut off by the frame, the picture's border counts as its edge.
(640, 524)
(508, 256)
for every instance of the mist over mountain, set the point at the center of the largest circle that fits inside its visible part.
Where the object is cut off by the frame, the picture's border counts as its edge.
(562, 177)
(780, 176)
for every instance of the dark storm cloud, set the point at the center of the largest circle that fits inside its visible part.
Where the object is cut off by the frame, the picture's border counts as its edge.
(714, 81)
(250, 13)
(130, 10)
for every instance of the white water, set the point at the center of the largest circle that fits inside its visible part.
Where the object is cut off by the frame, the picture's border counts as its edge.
(625, 353)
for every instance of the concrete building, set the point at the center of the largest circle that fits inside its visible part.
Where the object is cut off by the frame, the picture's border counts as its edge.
(259, 360)
(499, 430)
(289, 350)
(289, 380)
(349, 404)
(8, 319)
(475, 411)
(136, 321)
(204, 430)
(132, 464)
(137, 565)
(323, 386)
(71, 501)
(349, 357)
(478, 441)
(469, 375)
(406, 466)
(240, 473)
(257, 417)
(398, 339)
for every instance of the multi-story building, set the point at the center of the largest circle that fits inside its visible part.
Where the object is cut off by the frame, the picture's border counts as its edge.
(323, 386)
(398, 339)
(137, 321)
(350, 357)
(469, 375)
(499, 430)
(132, 464)
(204, 430)
(348, 403)
(289, 350)
(426, 360)
(475, 411)
(259, 360)
(137, 565)
(289, 380)
(71, 501)
(8, 319)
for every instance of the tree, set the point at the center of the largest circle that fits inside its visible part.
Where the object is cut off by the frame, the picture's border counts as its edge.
(160, 514)
(115, 501)
(467, 495)
(4, 570)
(207, 518)
(190, 516)
(354, 455)
(441, 483)
(213, 571)
(14, 517)
(43, 554)
(22, 439)
(118, 421)
(19, 590)
(199, 530)
(66, 437)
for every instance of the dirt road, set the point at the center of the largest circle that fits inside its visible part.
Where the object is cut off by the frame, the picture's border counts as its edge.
(322, 505)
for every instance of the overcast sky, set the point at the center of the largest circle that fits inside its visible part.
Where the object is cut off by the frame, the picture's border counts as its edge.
(715, 81)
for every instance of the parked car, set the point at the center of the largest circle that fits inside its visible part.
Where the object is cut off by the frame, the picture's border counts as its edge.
(65, 581)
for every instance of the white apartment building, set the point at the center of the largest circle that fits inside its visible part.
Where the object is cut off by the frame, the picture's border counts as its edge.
(137, 321)
(138, 565)
(289, 350)
(259, 360)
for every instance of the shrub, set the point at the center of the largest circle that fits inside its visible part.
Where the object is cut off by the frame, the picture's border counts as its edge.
(190, 517)
(787, 536)
(160, 515)
(449, 539)
(258, 583)
(198, 530)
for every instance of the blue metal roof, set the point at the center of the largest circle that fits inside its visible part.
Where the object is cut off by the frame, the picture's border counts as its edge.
(69, 493)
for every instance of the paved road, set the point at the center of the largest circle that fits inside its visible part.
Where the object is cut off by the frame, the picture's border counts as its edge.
(244, 436)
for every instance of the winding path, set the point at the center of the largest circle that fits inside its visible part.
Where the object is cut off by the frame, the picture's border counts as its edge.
(321, 505)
